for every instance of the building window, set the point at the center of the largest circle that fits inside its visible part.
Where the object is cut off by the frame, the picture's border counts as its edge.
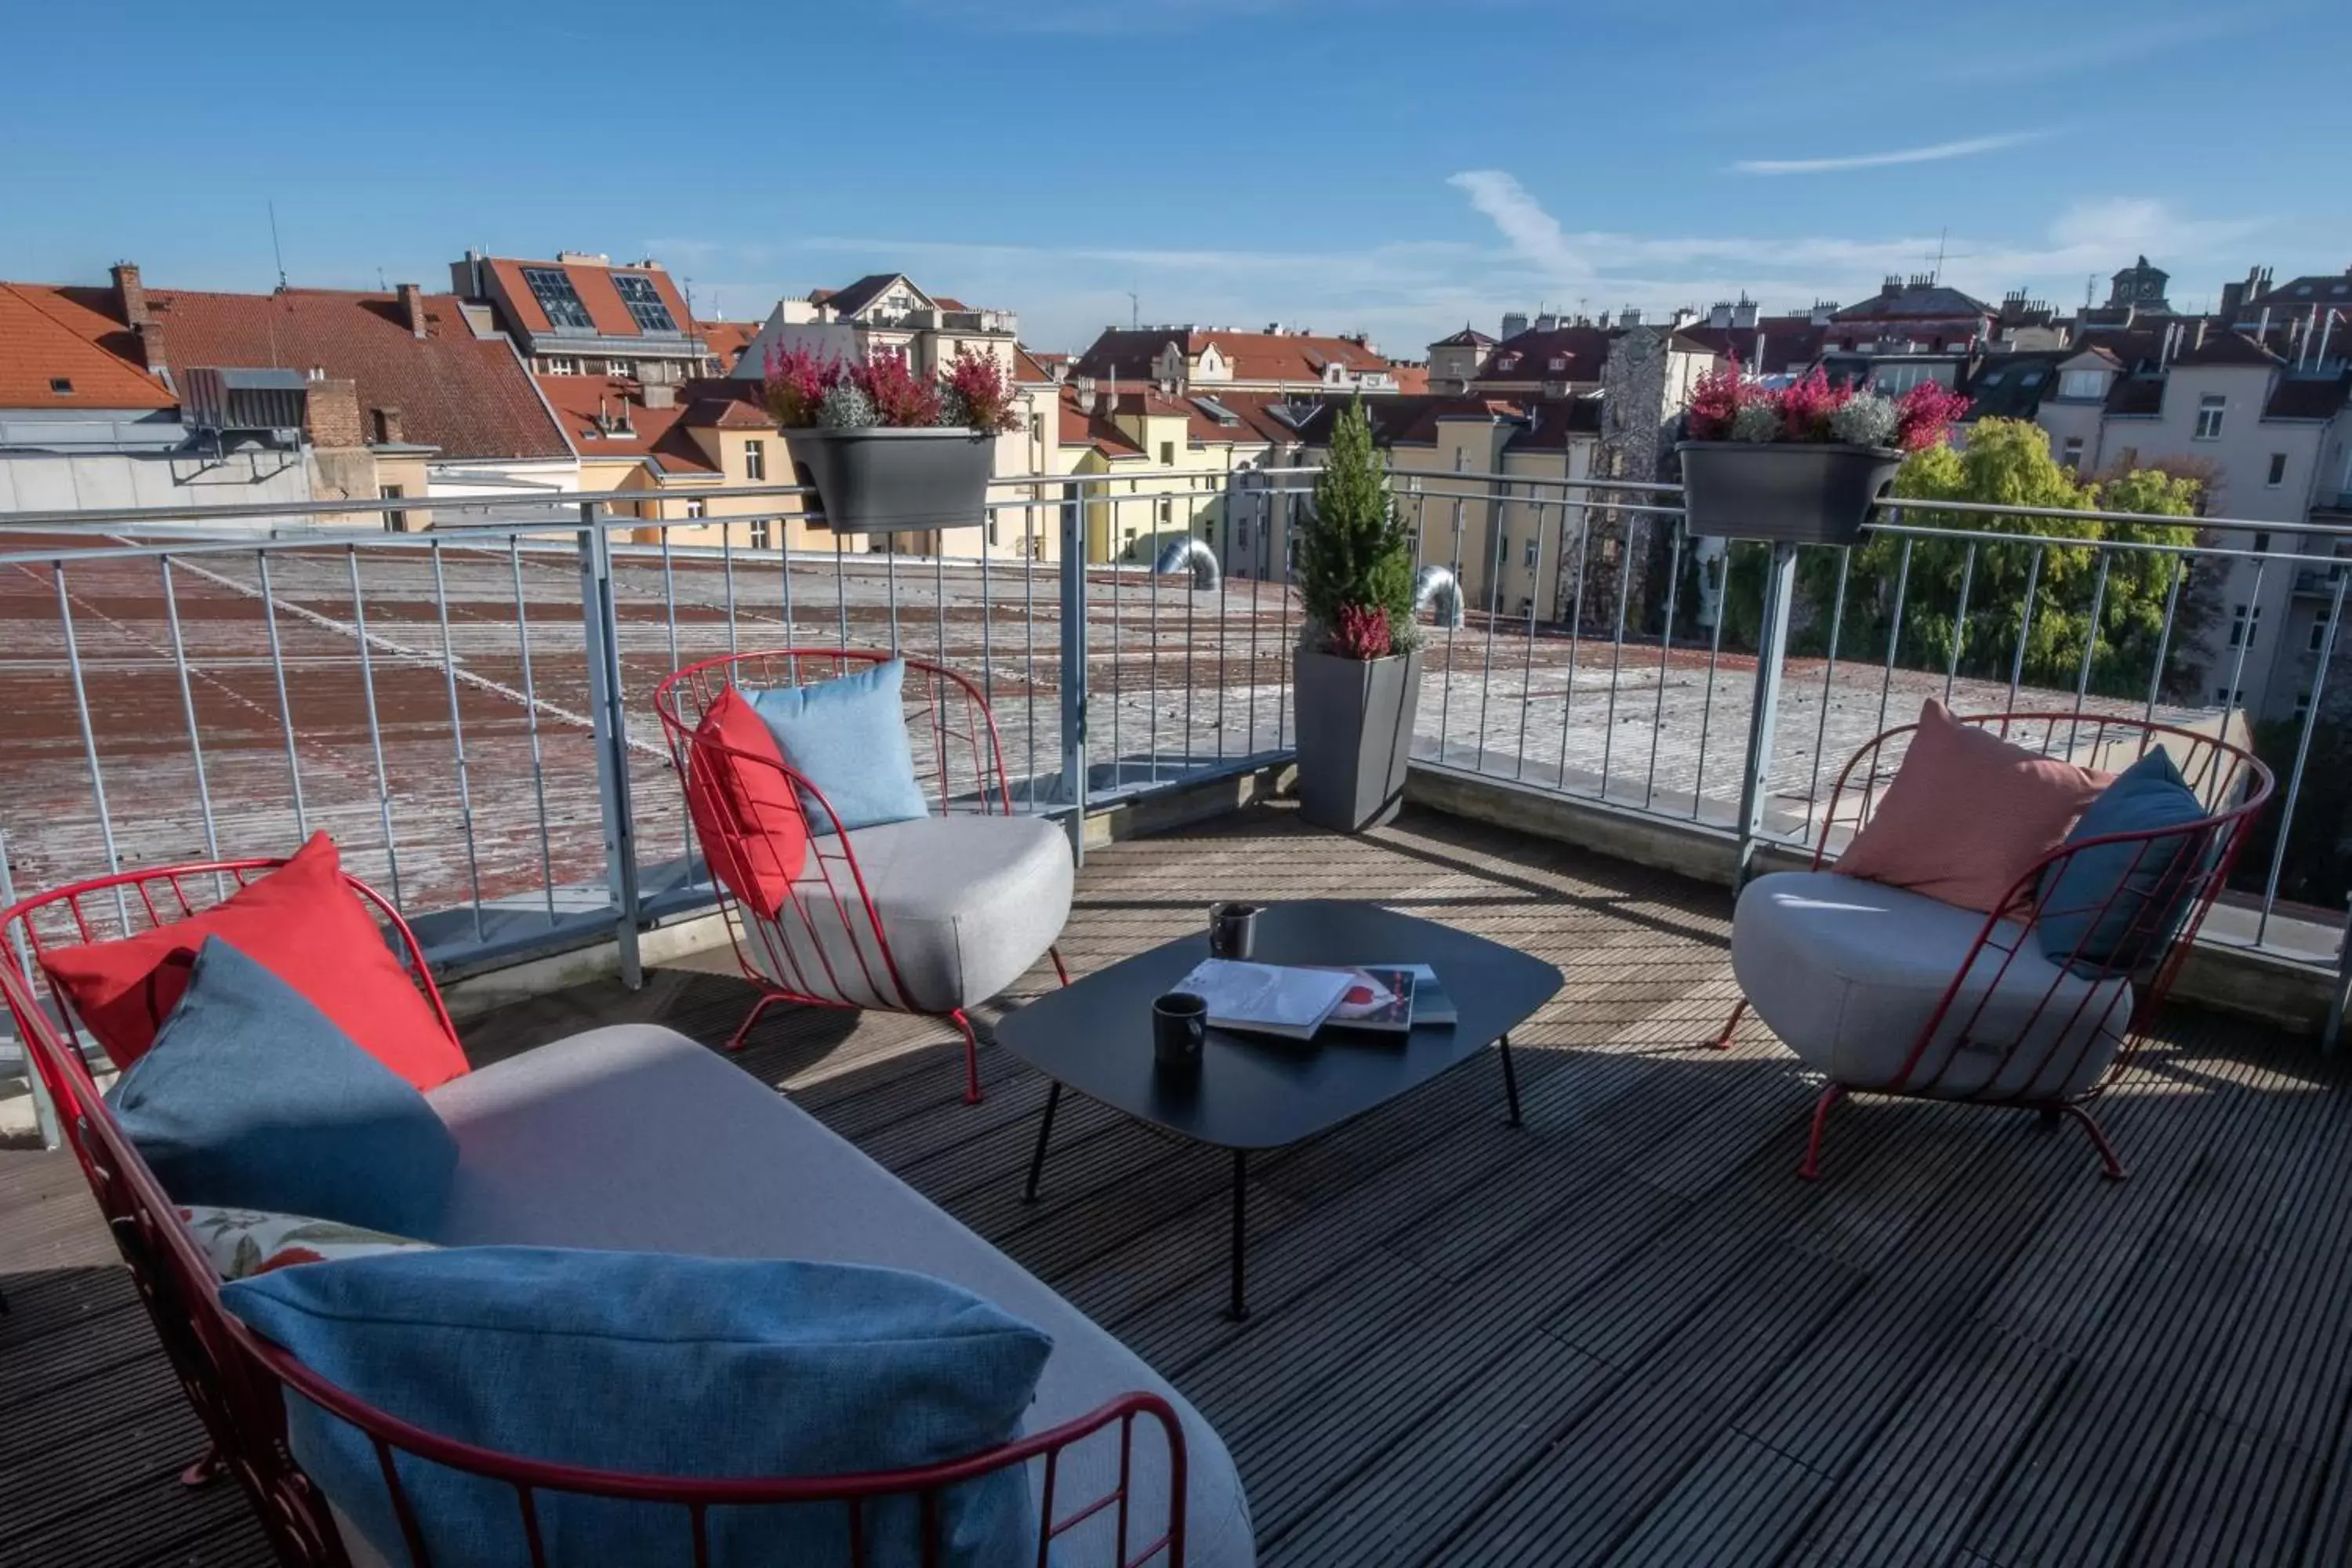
(2261, 545)
(2209, 410)
(2318, 632)
(645, 302)
(2224, 697)
(2302, 704)
(760, 537)
(2082, 383)
(993, 517)
(1167, 454)
(1167, 509)
(561, 365)
(1560, 361)
(616, 367)
(755, 459)
(2245, 625)
(2128, 458)
(696, 507)
(1241, 533)
(551, 286)
(2277, 475)
(393, 522)
(61, 385)
(1534, 549)
(2071, 454)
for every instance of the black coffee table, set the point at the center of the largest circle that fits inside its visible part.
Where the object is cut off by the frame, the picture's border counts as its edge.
(1255, 1092)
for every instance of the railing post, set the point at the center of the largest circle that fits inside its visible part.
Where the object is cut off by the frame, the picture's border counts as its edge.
(1074, 664)
(1764, 711)
(601, 627)
(45, 1114)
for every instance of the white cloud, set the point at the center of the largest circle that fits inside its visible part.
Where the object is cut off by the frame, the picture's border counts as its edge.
(1534, 233)
(1933, 153)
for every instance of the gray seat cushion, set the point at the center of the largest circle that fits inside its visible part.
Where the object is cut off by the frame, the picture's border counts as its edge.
(1849, 972)
(967, 903)
(634, 1137)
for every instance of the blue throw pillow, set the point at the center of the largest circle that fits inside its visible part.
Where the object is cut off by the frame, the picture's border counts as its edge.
(2095, 905)
(848, 738)
(658, 1365)
(250, 1097)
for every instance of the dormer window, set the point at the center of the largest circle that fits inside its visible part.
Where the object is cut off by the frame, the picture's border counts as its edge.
(61, 385)
(1560, 361)
(2082, 383)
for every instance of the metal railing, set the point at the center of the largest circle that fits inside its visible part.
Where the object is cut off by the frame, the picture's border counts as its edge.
(466, 709)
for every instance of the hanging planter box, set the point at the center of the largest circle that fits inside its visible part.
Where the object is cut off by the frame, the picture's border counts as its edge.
(880, 479)
(1802, 493)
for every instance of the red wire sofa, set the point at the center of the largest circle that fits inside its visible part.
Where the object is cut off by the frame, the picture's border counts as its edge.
(238, 1381)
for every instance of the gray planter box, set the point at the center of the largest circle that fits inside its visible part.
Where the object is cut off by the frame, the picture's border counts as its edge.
(1800, 492)
(1355, 736)
(880, 480)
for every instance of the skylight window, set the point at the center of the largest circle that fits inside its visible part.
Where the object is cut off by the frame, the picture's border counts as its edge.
(62, 386)
(551, 286)
(645, 302)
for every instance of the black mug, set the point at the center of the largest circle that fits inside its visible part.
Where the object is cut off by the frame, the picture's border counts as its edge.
(1180, 1025)
(1233, 930)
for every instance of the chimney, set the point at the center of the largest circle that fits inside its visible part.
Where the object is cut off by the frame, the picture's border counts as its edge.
(388, 431)
(1547, 322)
(412, 309)
(1630, 316)
(1890, 287)
(2200, 331)
(131, 294)
(1086, 394)
(331, 414)
(1684, 316)
(1743, 314)
(1823, 311)
(658, 394)
(1514, 323)
(1719, 313)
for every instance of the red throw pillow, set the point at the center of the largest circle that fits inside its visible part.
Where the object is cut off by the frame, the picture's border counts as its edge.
(301, 923)
(745, 810)
(1967, 813)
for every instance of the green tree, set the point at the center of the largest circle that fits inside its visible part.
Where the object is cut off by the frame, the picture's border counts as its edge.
(2006, 462)
(1355, 552)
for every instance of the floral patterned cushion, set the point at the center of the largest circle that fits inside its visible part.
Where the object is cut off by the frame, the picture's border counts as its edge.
(243, 1243)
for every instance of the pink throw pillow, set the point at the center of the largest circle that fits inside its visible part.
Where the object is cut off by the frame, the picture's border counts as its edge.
(1967, 813)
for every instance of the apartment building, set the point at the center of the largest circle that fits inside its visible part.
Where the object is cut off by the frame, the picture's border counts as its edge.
(212, 398)
(1284, 360)
(882, 311)
(580, 314)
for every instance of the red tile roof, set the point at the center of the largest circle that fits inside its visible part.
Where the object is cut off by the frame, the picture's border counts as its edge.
(1788, 343)
(1528, 356)
(592, 281)
(48, 334)
(469, 396)
(1411, 379)
(1129, 352)
(1031, 365)
(727, 340)
(1080, 428)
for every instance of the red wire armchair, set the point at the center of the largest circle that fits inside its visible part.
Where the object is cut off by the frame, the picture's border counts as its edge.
(238, 1381)
(863, 918)
(1890, 993)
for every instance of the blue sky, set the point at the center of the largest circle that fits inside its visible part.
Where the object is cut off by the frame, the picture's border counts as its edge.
(1396, 168)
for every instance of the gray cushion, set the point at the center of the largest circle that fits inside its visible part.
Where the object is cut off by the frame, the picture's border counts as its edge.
(730, 1169)
(968, 902)
(1849, 972)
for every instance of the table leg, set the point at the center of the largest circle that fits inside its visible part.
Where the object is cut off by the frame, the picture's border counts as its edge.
(1044, 1130)
(1510, 1080)
(1239, 1310)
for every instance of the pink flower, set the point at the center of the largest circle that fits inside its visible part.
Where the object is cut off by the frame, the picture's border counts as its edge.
(1924, 416)
(1806, 406)
(900, 397)
(796, 383)
(1362, 633)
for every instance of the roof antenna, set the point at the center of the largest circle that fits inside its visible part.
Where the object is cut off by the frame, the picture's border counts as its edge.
(1134, 310)
(276, 249)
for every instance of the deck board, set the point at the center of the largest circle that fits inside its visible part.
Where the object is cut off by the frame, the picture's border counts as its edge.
(1622, 1334)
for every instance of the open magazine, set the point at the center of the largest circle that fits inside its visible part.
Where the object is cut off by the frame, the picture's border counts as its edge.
(1266, 998)
(1378, 998)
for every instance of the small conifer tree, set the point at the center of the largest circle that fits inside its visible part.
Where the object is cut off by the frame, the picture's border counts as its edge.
(1355, 553)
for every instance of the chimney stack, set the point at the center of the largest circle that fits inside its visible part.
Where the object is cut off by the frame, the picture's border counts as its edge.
(131, 294)
(1743, 314)
(412, 308)
(388, 431)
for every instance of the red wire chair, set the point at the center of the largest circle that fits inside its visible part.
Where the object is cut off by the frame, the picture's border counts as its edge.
(2197, 860)
(237, 1381)
(962, 770)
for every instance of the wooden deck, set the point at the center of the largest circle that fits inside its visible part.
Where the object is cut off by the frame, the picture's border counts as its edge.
(1625, 1334)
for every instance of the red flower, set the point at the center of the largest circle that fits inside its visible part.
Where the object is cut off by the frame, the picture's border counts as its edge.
(1362, 633)
(796, 383)
(1924, 416)
(979, 389)
(1806, 406)
(1715, 401)
(900, 397)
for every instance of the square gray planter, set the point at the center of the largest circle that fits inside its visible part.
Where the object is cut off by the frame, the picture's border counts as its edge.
(1802, 492)
(1355, 737)
(883, 481)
